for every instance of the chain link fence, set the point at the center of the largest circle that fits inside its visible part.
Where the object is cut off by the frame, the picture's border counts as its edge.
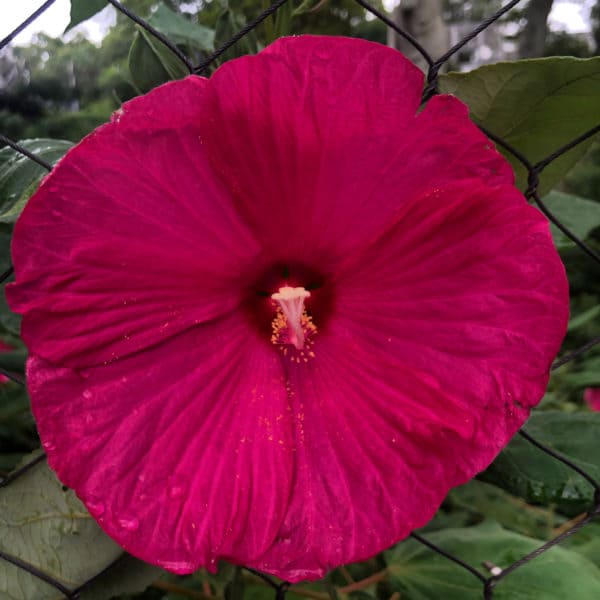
(492, 575)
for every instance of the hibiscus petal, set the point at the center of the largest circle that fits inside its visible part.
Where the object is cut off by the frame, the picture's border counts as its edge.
(289, 126)
(182, 453)
(378, 447)
(115, 252)
(592, 398)
(319, 142)
(443, 144)
(469, 288)
(441, 341)
(160, 113)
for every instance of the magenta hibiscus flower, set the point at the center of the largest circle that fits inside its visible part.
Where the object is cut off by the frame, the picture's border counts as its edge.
(592, 398)
(276, 315)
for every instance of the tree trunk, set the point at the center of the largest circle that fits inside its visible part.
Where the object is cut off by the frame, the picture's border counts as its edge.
(423, 20)
(533, 36)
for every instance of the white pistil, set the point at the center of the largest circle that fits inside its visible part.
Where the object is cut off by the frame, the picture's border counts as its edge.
(291, 300)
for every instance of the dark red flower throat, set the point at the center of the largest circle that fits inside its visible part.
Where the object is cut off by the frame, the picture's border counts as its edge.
(289, 304)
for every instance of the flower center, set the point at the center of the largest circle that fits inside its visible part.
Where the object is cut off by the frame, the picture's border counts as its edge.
(291, 324)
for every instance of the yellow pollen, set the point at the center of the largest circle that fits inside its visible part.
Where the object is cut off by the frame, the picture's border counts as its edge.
(291, 324)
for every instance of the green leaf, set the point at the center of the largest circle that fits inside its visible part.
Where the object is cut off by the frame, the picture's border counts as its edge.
(419, 573)
(9, 460)
(228, 24)
(283, 20)
(152, 63)
(48, 527)
(234, 590)
(9, 321)
(127, 576)
(17, 429)
(484, 501)
(524, 470)
(5, 259)
(13, 401)
(580, 215)
(13, 360)
(81, 10)
(20, 176)
(584, 318)
(182, 31)
(306, 6)
(536, 106)
(586, 541)
(586, 378)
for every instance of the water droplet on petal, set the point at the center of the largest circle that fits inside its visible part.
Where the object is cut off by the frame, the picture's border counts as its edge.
(176, 491)
(128, 524)
(87, 394)
(178, 487)
(96, 507)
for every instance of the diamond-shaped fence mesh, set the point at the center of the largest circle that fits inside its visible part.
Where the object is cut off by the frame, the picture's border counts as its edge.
(490, 576)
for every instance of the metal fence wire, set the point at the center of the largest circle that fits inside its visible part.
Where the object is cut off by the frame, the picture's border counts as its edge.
(490, 579)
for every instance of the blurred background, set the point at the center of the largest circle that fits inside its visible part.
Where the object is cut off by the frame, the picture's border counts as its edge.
(62, 85)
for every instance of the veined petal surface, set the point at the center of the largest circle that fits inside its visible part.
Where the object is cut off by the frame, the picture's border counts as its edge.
(441, 343)
(377, 446)
(319, 143)
(130, 240)
(468, 288)
(183, 453)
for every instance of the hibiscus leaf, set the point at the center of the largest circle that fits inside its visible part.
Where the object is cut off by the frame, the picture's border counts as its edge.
(589, 376)
(419, 573)
(228, 24)
(152, 63)
(306, 6)
(580, 215)
(20, 176)
(483, 500)
(127, 576)
(82, 10)
(586, 542)
(524, 470)
(234, 590)
(283, 20)
(181, 30)
(17, 428)
(47, 527)
(9, 321)
(584, 318)
(536, 106)
(13, 360)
